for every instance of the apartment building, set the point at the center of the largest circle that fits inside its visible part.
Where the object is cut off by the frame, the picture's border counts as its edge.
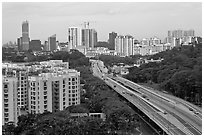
(53, 91)
(44, 86)
(9, 100)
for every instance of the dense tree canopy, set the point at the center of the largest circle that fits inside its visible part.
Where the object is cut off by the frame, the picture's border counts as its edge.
(180, 73)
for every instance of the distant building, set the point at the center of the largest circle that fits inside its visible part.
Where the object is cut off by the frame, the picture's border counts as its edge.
(52, 43)
(25, 35)
(19, 44)
(124, 45)
(154, 41)
(111, 40)
(89, 37)
(178, 37)
(74, 37)
(35, 45)
(145, 41)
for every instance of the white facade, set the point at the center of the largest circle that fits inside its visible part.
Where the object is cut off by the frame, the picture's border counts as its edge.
(53, 92)
(124, 45)
(44, 86)
(9, 100)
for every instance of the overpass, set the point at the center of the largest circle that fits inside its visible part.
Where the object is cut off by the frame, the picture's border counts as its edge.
(173, 115)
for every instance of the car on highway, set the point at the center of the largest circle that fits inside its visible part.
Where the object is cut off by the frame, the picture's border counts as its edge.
(190, 109)
(165, 112)
(144, 96)
(196, 112)
(114, 86)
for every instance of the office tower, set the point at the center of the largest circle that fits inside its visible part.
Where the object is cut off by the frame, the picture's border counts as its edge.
(9, 100)
(89, 38)
(85, 37)
(92, 38)
(19, 44)
(95, 38)
(111, 40)
(35, 45)
(74, 37)
(25, 35)
(52, 43)
(45, 46)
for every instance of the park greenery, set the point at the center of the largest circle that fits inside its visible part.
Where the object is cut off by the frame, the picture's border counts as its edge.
(180, 73)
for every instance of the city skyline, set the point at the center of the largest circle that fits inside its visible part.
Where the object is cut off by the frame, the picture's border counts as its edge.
(122, 18)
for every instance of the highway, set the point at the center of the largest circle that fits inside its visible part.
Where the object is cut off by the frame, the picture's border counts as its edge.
(175, 116)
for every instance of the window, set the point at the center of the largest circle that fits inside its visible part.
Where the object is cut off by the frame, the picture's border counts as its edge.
(45, 97)
(5, 105)
(6, 95)
(73, 95)
(63, 99)
(6, 119)
(5, 109)
(63, 103)
(45, 88)
(6, 114)
(5, 86)
(45, 102)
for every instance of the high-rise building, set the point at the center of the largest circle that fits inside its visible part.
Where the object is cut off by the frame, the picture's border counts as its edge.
(111, 40)
(85, 37)
(25, 35)
(89, 37)
(180, 36)
(52, 43)
(119, 44)
(53, 92)
(47, 86)
(92, 38)
(35, 45)
(188, 33)
(19, 44)
(74, 37)
(9, 101)
(124, 45)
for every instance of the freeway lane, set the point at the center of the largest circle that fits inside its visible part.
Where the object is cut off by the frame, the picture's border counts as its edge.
(179, 114)
(176, 109)
(147, 109)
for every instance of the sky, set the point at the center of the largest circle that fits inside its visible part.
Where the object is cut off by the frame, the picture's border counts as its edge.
(141, 20)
